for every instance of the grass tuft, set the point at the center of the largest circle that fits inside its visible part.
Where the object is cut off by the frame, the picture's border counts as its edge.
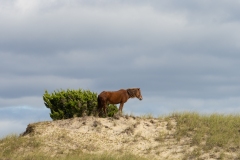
(209, 131)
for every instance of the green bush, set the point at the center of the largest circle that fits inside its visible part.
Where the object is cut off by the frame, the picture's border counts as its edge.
(111, 110)
(73, 103)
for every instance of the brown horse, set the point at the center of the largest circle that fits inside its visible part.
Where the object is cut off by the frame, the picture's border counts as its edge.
(115, 97)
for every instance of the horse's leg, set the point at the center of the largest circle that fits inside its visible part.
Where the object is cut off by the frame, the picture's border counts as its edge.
(100, 111)
(120, 107)
(105, 108)
(102, 108)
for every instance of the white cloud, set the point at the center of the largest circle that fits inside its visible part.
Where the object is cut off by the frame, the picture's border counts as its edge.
(14, 120)
(33, 101)
(11, 127)
(26, 6)
(164, 105)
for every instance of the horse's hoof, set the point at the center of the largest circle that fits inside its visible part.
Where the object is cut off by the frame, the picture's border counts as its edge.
(116, 116)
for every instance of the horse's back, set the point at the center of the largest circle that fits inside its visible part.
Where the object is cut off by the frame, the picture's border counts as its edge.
(114, 97)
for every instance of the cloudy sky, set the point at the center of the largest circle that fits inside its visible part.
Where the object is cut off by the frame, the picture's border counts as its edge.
(184, 55)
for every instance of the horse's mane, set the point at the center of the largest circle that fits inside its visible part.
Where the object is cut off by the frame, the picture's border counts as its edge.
(131, 92)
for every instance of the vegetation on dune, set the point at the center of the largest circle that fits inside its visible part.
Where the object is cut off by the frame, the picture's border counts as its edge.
(11, 146)
(216, 132)
(217, 135)
(65, 104)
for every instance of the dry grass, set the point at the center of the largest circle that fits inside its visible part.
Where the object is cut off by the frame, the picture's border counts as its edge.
(215, 133)
(177, 136)
(10, 146)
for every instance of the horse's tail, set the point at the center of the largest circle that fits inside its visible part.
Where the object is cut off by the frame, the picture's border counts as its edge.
(99, 106)
(99, 101)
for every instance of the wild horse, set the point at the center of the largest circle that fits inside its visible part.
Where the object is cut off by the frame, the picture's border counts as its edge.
(115, 97)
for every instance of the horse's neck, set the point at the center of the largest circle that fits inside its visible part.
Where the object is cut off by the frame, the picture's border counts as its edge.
(130, 94)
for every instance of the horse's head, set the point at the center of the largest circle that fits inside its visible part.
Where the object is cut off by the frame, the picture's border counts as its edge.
(135, 92)
(138, 94)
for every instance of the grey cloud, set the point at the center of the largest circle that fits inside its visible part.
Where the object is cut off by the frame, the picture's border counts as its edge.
(184, 55)
(95, 27)
(13, 87)
(170, 74)
(170, 49)
(72, 28)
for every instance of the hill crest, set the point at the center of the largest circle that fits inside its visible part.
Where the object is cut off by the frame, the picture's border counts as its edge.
(178, 136)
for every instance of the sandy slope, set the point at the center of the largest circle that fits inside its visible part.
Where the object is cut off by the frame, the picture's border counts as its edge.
(148, 137)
